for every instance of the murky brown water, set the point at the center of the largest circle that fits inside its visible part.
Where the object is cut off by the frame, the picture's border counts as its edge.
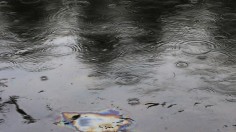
(168, 64)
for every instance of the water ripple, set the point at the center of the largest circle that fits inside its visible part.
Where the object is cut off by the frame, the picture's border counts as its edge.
(124, 78)
(56, 51)
(66, 15)
(30, 1)
(6, 54)
(6, 65)
(229, 16)
(36, 64)
(76, 3)
(4, 4)
(226, 89)
(37, 58)
(197, 47)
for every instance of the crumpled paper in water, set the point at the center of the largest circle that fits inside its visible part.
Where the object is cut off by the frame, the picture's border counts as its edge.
(104, 121)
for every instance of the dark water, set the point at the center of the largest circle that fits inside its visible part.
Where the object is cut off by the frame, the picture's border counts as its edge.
(90, 55)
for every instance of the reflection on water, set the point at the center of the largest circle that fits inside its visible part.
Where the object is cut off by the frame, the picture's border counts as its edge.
(87, 55)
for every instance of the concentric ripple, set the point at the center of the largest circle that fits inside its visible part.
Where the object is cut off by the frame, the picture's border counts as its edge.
(65, 15)
(197, 47)
(60, 46)
(37, 58)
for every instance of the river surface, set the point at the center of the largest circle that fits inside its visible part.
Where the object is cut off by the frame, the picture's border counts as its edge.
(90, 55)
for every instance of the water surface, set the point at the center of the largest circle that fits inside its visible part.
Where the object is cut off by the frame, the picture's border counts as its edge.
(168, 64)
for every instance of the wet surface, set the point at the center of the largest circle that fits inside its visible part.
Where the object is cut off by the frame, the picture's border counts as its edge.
(168, 64)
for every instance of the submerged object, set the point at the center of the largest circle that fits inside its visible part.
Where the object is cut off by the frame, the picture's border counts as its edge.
(104, 121)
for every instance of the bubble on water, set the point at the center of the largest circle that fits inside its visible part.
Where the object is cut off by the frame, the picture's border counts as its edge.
(181, 64)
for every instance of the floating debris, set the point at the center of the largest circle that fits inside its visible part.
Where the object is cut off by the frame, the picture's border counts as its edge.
(171, 105)
(108, 120)
(208, 106)
(152, 104)
(49, 107)
(41, 91)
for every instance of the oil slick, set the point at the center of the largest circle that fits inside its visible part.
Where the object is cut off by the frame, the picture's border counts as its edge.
(104, 121)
